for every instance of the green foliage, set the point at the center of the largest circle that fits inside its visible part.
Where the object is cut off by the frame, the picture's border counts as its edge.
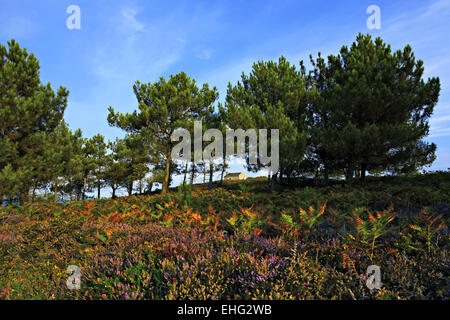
(371, 111)
(246, 221)
(302, 222)
(336, 120)
(96, 160)
(365, 110)
(272, 96)
(143, 247)
(426, 227)
(8, 177)
(184, 196)
(165, 106)
(29, 111)
(370, 229)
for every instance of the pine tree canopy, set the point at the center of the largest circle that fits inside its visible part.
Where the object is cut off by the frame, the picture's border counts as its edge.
(28, 111)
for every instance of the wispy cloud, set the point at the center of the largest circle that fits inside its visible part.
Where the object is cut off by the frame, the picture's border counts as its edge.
(424, 27)
(127, 48)
(213, 41)
(129, 19)
(437, 8)
(416, 18)
(440, 118)
(440, 123)
(440, 132)
(137, 48)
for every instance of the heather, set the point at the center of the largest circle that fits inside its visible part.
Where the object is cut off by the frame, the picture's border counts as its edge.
(238, 241)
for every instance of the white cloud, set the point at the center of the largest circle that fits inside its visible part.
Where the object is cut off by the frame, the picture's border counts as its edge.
(440, 119)
(437, 8)
(137, 49)
(423, 28)
(129, 19)
(439, 132)
(134, 51)
(427, 15)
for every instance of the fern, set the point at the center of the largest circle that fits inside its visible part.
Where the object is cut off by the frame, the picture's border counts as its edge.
(426, 226)
(184, 196)
(247, 221)
(348, 263)
(304, 221)
(370, 229)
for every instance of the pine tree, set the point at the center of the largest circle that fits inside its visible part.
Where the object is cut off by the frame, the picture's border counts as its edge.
(115, 174)
(273, 96)
(95, 150)
(214, 120)
(64, 161)
(28, 109)
(165, 106)
(373, 109)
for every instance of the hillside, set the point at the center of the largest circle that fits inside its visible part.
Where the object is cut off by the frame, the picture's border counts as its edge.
(238, 241)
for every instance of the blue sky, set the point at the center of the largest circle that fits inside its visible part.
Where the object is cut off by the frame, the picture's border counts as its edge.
(212, 41)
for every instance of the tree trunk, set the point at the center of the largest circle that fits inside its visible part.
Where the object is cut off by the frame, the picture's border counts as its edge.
(185, 173)
(70, 190)
(223, 170)
(326, 175)
(211, 171)
(165, 187)
(272, 182)
(56, 190)
(98, 190)
(363, 171)
(33, 194)
(192, 173)
(204, 173)
(349, 173)
(130, 188)
(114, 192)
(22, 197)
(84, 188)
(357, 173)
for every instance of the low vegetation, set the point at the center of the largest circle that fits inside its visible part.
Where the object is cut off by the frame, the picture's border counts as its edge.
(237, 241)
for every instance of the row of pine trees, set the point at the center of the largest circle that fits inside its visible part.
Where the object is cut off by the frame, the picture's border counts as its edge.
(362, 111)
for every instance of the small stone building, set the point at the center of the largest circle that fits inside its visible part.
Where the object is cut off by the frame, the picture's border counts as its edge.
(235, 176)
